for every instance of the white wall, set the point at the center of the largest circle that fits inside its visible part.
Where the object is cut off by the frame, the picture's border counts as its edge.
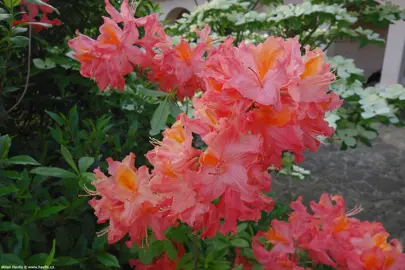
(166, 6)
(394, 60)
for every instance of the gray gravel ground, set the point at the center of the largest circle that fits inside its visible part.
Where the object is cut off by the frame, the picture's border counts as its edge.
(371, 176)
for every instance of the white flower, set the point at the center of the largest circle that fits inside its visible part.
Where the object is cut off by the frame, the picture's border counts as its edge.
(344, 66)
(332, 118)
(370, 34)
(369, 98)
(396, 91)
(377, 107)
(301, 170)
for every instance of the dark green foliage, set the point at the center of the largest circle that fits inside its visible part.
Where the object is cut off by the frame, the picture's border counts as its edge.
(62, 129)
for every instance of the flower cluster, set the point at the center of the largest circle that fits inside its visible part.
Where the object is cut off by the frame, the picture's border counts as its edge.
(239, 13)
(328, 236)
(283, 12)
(374, 101)
(258, 103)
(30, 13)
(388, 11)
(119, 51)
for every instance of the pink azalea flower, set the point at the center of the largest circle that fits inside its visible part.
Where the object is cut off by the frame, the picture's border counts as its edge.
(128, 202)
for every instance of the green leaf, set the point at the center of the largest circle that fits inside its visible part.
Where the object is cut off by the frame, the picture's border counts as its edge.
(56, 134)
(49, 259)
(221, 265)
(146, 255)
(7, 190)
(63, 261)
(244, 235)
(20, 41)
(38, 180)
(159, 118)
(68, 158)
(6, 226)
(4, 15)
(5, 143)
(179, 234)
(220, 245)
(39, 2)
(36, 259)
(73, 119)
(25, 241)
(133, 128)
(157, 248)
(208, 259)
(108, 260)
(35, 234)
(184, 261)
(2, 62)
(56, 117)
(64, 240)
(9, 89)
(175, 109)
(10, 259)
(11, 174)
(24, 183)
(99, 242)
(170, 249)
(22, 160)
(88, 176)
(47, 25)
(80, 248)
(151, 93)
(241, 227)
(248, 253)
(240, 243)
(12, 3)
(41, 64)
(85, 163)
(49, 211)
(54, 172)
(350, 141)
(128, 105)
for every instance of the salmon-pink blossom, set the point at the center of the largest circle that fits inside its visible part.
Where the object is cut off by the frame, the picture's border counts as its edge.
(31, 13)
(127, 202)
(330, 236)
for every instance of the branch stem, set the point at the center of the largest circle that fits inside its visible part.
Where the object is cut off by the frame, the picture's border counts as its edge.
(195, 251)
(27, 80)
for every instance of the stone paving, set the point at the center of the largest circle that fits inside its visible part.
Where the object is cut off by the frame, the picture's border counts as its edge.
(371, 176)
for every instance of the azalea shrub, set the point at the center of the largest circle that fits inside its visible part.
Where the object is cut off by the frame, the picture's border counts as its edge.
(205, 202)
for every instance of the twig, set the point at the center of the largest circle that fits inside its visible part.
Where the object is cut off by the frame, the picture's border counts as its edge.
(195, 251)
(28, 68)
(328, 45)
(254, 5)
(309, 36)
